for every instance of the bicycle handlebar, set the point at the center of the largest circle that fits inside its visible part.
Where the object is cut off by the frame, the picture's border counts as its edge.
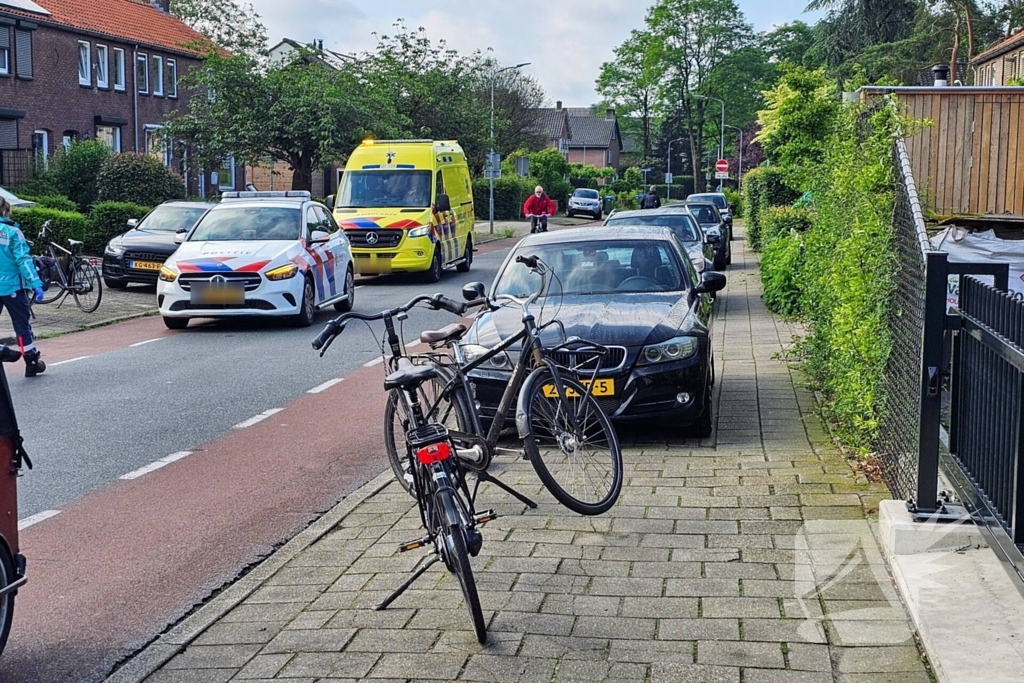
(337, 326)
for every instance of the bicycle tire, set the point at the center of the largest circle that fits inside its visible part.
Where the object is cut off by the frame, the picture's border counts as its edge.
(458, 562)
(550, 437)
(86, 273)
(53, 292)
(451, 415)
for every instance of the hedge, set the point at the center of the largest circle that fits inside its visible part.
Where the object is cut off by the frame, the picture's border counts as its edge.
(138, 178)
(107, 220)
(52, 201)
(763, 188)
(510, 193)
(782, 278)
(65, 225)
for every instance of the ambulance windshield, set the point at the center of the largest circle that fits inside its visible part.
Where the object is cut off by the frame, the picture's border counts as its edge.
(385, 189)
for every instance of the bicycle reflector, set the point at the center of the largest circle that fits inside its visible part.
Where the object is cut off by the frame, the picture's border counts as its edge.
(437, 452)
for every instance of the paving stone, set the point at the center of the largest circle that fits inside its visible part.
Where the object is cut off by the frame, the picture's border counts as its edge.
(590, 649)
(794, 630)
(636, 554)
(264, 666)
(877, 659)
(486, 667)
(784, 676)
(805, 657)
(392, 640)
(605, 585)
(740, 607)
(674, 672)
(740, 570)
(597, 567)
(192, 676)
(244, 633)
(322, 640)
(526, 622)
(699, 588)
(668, 607)
(736, 653)
(575, 671)
(311, 619)
(615, 627)
(647, 651)
(440, 666)
(699, 629)
(582, 605)
(464, 642)
(214, 657)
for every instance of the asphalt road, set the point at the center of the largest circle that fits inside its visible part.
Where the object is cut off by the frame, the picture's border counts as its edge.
(257, 456)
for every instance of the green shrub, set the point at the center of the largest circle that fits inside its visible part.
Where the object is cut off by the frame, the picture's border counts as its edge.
(41, 185)
(735, 200)
(782, 264)
(626, 201)
(107, 220)
(510, 193)
(781, 220)
(140, 179)
(763, 188)
(64, 225)
(76, 171)
(52, 201)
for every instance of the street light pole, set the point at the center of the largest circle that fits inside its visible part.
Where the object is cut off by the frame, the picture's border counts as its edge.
(490, 159)
(721, 144)
(669, 187)
(739, 179)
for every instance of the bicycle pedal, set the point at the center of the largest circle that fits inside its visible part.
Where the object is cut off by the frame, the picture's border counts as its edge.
(485, 517)
(413, 545)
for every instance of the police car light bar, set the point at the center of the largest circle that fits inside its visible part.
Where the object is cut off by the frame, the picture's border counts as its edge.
(294, 194)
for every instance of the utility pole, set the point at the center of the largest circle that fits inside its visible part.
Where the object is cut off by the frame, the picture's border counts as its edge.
(721, 143)
(490, 159)
(739, 179)
(669, 170)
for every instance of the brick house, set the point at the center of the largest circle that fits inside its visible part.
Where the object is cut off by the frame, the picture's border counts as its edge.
(95, 69)
(595, 140)
(1001, 63)
(552, 125)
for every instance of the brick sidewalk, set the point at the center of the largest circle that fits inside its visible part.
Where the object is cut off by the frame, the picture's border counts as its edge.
(115, 305)
(746, 557)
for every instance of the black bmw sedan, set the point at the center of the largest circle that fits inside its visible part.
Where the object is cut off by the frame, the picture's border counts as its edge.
(632, 289)
(138, 255)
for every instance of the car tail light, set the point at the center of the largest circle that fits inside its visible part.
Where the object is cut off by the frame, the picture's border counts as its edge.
(437, 452)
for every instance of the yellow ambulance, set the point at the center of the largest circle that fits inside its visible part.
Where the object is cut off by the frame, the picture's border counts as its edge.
(407, 207)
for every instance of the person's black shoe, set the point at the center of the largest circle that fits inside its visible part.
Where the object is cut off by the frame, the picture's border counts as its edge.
(34, 365)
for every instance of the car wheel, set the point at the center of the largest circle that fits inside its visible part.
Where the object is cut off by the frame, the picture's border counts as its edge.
(115, 284)
(706, 421)
(176, 323)
(728, 252)
(597, 216)
(350, 287)
(434, 274)
(719, 263)
(467, 260)
(570, 214)
(307, 307)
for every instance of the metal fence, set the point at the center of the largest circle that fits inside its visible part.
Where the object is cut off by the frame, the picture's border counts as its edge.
(17, 166)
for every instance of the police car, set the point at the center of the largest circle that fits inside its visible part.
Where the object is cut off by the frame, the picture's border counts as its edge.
(258, 254)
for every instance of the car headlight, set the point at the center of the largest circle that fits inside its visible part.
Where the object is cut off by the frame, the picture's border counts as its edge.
(665, 352)
(168, 274)
(713, 232)
(114, 249)
(285, 272)
(420, 232)
(474, 352)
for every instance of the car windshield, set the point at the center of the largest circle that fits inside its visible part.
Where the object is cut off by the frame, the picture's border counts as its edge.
(705, 215)
(253, 223)
(716, 199)
(680, 223)
(380, 189)
(172, 218)
(599, 267)
(586, 194)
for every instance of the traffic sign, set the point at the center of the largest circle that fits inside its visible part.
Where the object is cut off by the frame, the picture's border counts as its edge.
(722, 166)
(722, 175)
(645, 170)
(668, 178)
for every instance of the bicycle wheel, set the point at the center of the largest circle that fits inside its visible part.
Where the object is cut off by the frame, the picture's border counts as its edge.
(53, 292)
(458, 561)
(437, 409)
(581, 467)
(87, 287)
(6, 601)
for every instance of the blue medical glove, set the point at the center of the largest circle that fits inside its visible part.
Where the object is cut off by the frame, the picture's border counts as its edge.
(40, 294)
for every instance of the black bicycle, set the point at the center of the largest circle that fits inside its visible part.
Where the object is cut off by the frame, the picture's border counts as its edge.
(567, 436)
(66, 273)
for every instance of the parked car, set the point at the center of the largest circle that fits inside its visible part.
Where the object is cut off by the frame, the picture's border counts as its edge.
(632, 289)
(684, 225)
(258, 253)
(719, 200)
(15, 201)
(585, 201)
(716, 229)
(138, 255)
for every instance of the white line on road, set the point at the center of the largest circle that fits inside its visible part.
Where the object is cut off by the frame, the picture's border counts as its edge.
(143, 343)
(325, 386)
(258, 418)
(375, 361)
(72, 360)
(36, 518)
(153, 466)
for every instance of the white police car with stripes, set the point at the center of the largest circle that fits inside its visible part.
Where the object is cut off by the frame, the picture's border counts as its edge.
(258, 254)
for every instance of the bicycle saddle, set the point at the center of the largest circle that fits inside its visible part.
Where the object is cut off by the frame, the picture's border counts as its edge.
(409, 375)
(448, 333)
(75, 243)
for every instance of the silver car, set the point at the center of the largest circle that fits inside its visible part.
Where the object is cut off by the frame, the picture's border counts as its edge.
(585, 201)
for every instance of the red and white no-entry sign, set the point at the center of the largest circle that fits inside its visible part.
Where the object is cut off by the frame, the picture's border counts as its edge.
(722, 166)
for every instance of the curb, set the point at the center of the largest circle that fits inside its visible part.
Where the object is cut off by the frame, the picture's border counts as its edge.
(173, 641)
(43, 336)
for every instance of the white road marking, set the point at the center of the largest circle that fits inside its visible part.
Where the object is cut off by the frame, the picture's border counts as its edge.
(325, 386)
(36, 518)
(258, 418)
(153, 466)
(375, 361)
(412, 343)
(72, 360)
(143, 343)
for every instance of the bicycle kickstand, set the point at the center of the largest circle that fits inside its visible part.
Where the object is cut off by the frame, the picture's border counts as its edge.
(488, 477)
(405, 586)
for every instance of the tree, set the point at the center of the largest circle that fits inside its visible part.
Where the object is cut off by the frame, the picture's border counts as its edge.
(851, 26)
(788, 43)
(516, 95)
(630, 83)
(229, 24)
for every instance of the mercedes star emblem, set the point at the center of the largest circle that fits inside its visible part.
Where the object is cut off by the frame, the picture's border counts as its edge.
(372, 238)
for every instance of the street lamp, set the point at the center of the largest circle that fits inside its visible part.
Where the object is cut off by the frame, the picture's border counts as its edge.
(669, 187)
(739, 178)
(494, 75)
(721, 144)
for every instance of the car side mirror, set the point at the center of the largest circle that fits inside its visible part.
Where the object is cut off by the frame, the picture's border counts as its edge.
(443, 203)
(711, 282)
(319, 236)
(330, 202)
(474, 291)
(179, 237)
(133, 223)
(713, 239)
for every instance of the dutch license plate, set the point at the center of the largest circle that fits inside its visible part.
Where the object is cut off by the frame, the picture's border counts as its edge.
(603, 387)
(221, 296)
(145, 265)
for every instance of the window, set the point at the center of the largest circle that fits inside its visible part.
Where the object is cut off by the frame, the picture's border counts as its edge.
(156, 144)
(142, 74)
(119, 77)
(5, 51)
(69, 138)
(23, 53)
(172, 78)
(226, 174)
(312, 222)
(102, 67)
(110, 136)
(41, 148)
(158, 76)
(8, 133)
(84, 64)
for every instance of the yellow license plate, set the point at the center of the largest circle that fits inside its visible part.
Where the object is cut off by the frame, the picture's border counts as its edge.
(221, 295)
(603, 387)
(145, 265)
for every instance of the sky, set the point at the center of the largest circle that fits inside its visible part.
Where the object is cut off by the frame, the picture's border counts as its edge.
(566, 41)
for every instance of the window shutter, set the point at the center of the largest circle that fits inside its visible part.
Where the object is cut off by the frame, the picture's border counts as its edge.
(8, 134)
(23, 44)
(5, 38)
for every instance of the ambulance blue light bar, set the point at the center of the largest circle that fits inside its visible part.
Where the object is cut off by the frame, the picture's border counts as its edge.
(250, 194)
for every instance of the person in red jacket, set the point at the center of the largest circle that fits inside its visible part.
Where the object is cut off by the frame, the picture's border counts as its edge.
(538, 208)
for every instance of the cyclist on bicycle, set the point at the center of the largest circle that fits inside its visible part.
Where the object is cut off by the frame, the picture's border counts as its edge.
(537, 208)
(17, 277)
